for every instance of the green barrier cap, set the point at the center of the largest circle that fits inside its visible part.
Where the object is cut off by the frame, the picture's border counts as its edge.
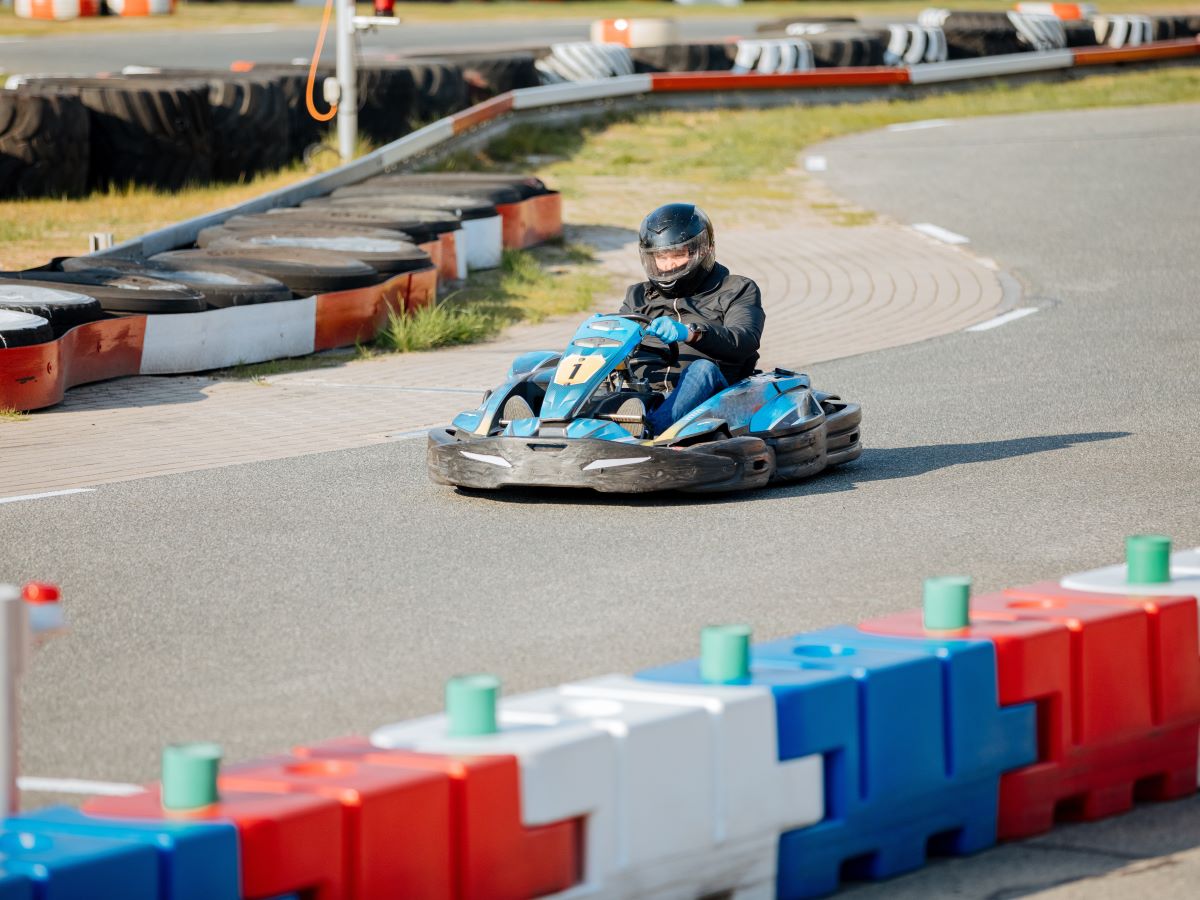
(947, 603)
(189, 775)
(1149, 558)
(471, 704)
(725, 653)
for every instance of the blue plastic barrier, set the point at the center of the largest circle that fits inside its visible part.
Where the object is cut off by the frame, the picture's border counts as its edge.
(76, 867)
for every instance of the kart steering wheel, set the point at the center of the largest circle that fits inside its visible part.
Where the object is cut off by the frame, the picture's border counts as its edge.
(668, 353)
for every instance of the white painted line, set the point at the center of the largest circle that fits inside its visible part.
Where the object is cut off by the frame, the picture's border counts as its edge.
(78, 786)
(409, 435)
(816, 163)
(919, 126)
(47, 494)
(1004, 319)
(941, 234)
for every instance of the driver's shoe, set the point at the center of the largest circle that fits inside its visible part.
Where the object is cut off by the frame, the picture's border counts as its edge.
(515, 408)
(631, 415)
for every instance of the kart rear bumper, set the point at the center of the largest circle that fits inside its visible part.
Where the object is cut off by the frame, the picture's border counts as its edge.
(495, 462)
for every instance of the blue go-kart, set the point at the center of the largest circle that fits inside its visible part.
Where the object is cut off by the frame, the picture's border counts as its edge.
(771, 426)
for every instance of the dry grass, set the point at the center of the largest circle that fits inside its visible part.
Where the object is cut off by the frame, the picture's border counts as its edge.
(234, 16)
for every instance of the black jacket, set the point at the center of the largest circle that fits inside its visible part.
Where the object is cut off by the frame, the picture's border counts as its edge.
(726, 313)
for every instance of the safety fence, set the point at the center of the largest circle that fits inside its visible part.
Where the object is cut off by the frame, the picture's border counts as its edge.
(778, 769)
(41, 359)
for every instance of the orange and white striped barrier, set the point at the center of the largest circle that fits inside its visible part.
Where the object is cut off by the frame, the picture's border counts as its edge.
(56, 10)
(142, 7)
(1068, 12)
(635, 32)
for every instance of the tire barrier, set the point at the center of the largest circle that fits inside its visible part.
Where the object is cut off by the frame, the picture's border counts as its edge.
(140, 7)
(584, 61)
(704, 57)
(62, 310)
(913, 44)
(771, 55)
(508, 211)
(44, 138)
(57, 10)
(1067, 12)
(20, 329)
(1123, 31)
(771, 769)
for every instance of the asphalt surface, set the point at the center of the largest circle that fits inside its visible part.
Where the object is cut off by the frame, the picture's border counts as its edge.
(84, 55)
(267, 604)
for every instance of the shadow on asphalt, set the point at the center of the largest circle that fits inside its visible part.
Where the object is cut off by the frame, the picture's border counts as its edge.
(875, 464)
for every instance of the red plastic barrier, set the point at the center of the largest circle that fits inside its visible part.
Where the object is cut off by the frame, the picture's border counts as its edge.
(750, 81)
(1106, 56)
(354, 316)
(1111, 723)
(38, 376)
(496, 857)
(289, 842)
(448, 270)
(396, 821)
(531, 221)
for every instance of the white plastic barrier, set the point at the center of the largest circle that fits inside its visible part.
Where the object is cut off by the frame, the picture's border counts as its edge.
(1012, 63)
(485, 242)
(754, 796)
(1185, 579)
(1041, 32)
(584, 61)
(635, 32)
(682, 788)
(1065, 11)
(933, 17)
(914, 44)
(460, 253)
(194, 342)
(1123, 31)
(773, 55)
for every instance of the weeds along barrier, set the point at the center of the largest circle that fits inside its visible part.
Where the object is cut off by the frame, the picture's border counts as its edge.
(36, 376)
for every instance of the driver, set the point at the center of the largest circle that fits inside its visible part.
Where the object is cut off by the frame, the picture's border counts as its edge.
(715, 317)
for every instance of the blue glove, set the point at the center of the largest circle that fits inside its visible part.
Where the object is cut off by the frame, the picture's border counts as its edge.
(668, 330)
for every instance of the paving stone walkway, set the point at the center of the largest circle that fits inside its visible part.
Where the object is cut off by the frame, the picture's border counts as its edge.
(829, 291)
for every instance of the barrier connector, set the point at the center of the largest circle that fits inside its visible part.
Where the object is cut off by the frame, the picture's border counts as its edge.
(1148, 557)
(947, 603)
(471, 705)
(725, 653)
(189, 776)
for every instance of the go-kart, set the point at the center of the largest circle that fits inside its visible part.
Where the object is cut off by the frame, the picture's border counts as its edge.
(771, 426)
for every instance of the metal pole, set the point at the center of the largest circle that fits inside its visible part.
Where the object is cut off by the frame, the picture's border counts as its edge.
(14, 637)
(347, 76)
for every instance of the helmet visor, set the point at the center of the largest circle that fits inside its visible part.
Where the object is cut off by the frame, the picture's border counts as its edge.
(677, 260)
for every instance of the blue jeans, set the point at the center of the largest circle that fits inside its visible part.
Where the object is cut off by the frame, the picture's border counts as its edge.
(699, 381)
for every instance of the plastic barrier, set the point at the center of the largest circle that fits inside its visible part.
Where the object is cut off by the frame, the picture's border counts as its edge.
(635, 32)
(59, 10)
(1068, 12)
(141, 7)
(912, 44)
(773, 55)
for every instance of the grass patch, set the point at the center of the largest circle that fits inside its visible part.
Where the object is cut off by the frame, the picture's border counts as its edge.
(224, 15)
(442, 325)
(8, 414)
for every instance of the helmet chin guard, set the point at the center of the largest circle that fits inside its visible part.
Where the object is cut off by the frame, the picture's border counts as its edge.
(677, 249)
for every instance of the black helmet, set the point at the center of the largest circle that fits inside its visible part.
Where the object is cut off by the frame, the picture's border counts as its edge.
(684, 229)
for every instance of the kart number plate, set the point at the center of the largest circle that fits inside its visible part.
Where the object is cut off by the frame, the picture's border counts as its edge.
(577, 368)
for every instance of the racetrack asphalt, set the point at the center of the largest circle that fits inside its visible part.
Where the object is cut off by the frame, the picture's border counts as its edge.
(272, 603)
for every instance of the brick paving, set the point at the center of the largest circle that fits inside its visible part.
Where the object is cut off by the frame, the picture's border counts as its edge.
(829, 291)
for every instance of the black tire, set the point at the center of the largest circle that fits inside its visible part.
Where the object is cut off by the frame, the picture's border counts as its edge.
(221, 286)
(465, 208)
(440, 88)
(712, 57)
(489, 189)
(975, 41)
(305, 272)
(22, 329)
(62, 309)
(848, 48)
(146, 131)
(387, 101)
(977, 19)
(386, 251)
(119, 293)
(1080, 34)
(303, 130)
(419, 225)
(492, 74)
(44, 141)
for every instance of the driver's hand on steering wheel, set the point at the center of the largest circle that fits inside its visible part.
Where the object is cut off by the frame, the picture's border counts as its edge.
(668, 330)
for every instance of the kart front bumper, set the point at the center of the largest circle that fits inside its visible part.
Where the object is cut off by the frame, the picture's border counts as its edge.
(495, 462)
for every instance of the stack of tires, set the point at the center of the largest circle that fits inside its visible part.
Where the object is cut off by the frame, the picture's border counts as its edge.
(44, 140)
(836, 41)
